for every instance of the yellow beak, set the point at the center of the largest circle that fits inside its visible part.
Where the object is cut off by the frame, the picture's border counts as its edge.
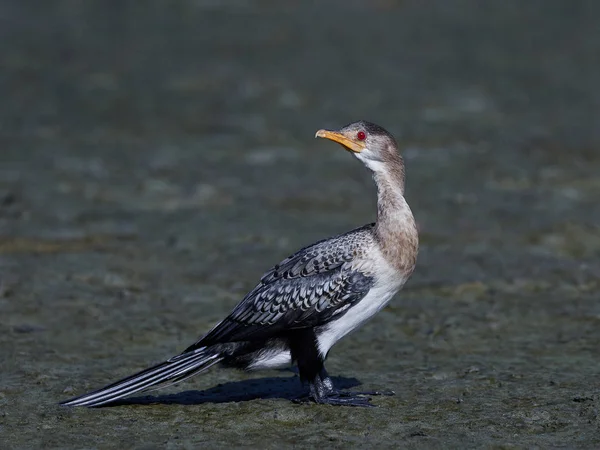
(349, 144)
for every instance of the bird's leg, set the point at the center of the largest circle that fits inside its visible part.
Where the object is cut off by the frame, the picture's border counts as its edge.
(331, 390)
(323, 392)
(303, 347)
(327, 382)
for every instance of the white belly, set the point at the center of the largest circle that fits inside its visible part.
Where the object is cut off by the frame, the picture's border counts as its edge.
(374, 301)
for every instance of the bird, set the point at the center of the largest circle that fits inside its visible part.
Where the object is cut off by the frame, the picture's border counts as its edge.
(305, 304)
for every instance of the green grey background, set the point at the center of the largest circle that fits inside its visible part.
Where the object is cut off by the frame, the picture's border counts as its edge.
(156, 157)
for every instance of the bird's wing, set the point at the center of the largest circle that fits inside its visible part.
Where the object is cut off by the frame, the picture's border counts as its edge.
(304, 290)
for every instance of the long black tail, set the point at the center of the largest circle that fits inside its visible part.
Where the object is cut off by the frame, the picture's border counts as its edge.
(165, 374)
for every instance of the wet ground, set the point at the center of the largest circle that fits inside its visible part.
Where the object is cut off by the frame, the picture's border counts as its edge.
(155, 159)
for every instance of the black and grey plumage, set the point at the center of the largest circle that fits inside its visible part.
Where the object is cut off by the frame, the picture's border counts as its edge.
(310, 300)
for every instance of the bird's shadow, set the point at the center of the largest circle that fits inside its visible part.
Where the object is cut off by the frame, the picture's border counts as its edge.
(237, 391)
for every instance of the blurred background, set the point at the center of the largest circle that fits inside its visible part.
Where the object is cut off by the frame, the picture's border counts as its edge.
(156, 157)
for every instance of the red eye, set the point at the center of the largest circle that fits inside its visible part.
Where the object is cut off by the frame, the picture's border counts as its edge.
(361, 136)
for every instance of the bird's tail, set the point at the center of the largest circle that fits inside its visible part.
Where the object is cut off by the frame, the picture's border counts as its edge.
(165, 374)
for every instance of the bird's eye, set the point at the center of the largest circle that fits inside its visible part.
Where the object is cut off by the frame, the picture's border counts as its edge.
(361, 136)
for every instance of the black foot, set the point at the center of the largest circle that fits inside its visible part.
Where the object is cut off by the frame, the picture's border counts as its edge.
(323, 392)
(368, 393)
(343, 398)
(346, 399)
(338, 399)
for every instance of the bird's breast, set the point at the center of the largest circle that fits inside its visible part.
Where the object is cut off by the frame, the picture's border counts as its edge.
(378, 296)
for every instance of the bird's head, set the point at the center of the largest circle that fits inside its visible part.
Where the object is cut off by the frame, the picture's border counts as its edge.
(370, 143)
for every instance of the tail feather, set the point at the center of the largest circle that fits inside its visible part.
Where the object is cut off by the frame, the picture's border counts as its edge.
(172, 371)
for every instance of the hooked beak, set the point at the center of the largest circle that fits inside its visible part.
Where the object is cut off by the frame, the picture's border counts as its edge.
(349, 144)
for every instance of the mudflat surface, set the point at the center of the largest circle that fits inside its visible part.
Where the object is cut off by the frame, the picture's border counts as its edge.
(157, 157)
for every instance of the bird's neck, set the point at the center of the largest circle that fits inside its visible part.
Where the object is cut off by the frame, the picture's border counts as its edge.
(395, 228)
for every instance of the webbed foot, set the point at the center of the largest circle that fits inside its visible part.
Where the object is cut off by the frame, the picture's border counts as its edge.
(337, 399)
(323, 392)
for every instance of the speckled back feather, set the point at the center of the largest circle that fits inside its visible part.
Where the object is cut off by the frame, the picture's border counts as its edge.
(302, 291)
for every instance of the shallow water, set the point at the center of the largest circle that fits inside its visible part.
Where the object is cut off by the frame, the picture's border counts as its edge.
(155, 161)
